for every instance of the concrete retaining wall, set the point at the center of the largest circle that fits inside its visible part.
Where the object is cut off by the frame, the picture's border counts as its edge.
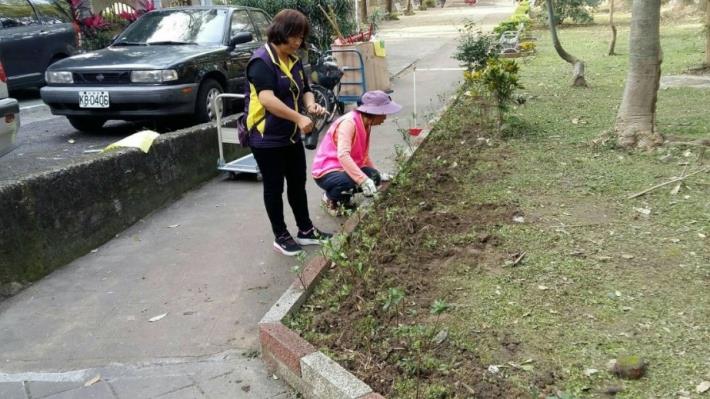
(49, 219)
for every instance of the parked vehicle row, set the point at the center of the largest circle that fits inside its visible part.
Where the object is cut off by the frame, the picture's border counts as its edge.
(170, 62)
(33, 35)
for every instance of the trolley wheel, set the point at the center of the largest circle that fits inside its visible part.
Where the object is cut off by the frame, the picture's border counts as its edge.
(233, 175)
(259, 177)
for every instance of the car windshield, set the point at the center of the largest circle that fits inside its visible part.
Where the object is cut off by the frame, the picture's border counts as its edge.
(176, 27)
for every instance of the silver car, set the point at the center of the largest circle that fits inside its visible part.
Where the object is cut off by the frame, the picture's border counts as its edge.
(9, 116)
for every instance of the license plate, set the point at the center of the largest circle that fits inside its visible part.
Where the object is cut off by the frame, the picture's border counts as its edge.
(93, 99)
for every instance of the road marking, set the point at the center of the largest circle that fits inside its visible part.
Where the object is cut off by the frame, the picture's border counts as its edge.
(69, 376)
(26, 107)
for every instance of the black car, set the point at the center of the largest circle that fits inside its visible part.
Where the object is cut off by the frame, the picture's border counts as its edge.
(33, 35)
(170, 62)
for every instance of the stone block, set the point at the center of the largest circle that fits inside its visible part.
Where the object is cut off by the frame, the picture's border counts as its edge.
(289, 301)
(284, 345)
(329, 380)
(287, 375)
(311, 272)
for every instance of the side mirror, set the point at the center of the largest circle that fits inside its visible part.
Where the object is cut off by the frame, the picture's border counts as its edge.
(241, 37)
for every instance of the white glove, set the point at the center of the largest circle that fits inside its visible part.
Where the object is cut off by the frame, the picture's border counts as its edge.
(368, 188)
(384, 176)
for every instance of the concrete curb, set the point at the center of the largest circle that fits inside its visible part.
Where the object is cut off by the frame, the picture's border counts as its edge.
(51, 218)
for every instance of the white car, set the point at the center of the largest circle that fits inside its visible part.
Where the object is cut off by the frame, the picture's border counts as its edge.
(9, 116)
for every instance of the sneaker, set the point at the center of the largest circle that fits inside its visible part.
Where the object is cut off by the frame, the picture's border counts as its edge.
(286, 245)
(312, 237)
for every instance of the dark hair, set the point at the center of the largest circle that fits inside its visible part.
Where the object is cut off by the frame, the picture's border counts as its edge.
(288, 23)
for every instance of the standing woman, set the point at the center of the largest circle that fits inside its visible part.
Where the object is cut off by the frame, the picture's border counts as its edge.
(277, 90)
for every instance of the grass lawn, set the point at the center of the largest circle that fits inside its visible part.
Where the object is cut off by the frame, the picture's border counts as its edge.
(602, 276)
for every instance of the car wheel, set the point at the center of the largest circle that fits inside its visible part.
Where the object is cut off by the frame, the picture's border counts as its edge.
(86, 123)
(209, 90)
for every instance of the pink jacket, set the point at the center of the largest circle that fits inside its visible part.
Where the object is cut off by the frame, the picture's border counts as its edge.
(326, 159)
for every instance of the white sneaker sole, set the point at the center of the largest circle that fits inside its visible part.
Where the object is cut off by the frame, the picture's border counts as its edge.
(309, 241)
(282, 251)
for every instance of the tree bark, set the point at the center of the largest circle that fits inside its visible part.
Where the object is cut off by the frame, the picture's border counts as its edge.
(612, 43)
(578, 65)
(363, 12)
(636, 120)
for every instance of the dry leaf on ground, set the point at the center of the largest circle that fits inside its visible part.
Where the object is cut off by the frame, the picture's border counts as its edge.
(158, 317)
(93, 381)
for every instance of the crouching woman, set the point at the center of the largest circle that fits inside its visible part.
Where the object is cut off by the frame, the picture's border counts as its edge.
(342, 164)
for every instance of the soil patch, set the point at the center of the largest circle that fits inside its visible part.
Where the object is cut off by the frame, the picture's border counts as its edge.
(423, 229)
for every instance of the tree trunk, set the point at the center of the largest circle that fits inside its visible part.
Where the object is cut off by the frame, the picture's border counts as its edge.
(578, 71)
(410, 9)
(363, 12)
(612, 43)
(636, 121)
(707, 33)
(389, 6)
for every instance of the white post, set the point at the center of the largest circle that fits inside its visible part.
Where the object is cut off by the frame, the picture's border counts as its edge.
(414, 91)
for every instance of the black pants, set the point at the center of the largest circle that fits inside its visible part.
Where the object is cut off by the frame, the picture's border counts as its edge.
(275, 165)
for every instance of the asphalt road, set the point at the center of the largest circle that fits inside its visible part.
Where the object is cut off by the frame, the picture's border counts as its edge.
(46, 142)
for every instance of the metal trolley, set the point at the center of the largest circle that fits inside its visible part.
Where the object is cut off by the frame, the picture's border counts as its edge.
(359, 69)
(245, 164)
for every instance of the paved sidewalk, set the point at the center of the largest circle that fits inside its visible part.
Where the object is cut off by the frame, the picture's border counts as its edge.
(201, 268)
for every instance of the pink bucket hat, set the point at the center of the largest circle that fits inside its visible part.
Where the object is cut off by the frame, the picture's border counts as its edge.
(377, 102)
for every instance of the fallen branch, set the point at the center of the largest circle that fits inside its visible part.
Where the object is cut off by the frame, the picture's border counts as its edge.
(468, 388)
(518, 259)
(668, 182)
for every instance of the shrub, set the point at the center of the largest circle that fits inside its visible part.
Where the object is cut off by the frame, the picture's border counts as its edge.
(475, 48)
(523, 8)
(505, 26)
(500, 80)
(527, 46)
(321, 31)
(579, 11)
